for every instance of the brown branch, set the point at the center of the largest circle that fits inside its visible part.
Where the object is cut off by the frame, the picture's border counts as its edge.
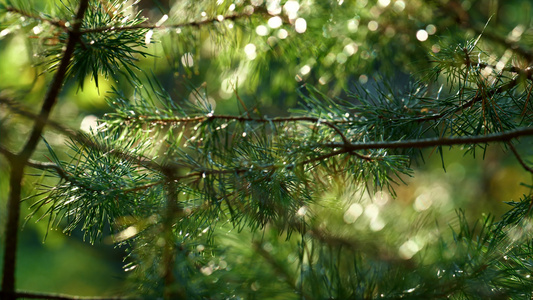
(481, 65)
(199, 119)
(173, 26)
(17, 164)
(57, 83)
(349, 148)
(462, 17)
(47, 166)
(519, 158)
(343, 148)
(58, 23)
(435, 142)
(480, 96)
(32, 295)
(8, 154)
(81, 137)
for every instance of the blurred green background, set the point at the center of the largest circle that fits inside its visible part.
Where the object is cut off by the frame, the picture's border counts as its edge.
(335, 54)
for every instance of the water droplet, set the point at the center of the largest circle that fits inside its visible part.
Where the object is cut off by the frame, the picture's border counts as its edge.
(148, 37)
(187, 60)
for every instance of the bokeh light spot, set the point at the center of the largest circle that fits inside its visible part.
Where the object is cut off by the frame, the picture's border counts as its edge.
(354, 211)
(300, 25)
(373, 25)
(422, 35)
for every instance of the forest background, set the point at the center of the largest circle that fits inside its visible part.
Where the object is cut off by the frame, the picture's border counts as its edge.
(239, 59)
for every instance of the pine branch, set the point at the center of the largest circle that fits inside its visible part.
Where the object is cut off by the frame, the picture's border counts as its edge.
(32, 295)
(527, 73)
(199, 119)
(463, 19)
(351, 147)
(434, 142)
(8, 154)
(17, 164)
(218, 19)
(57, 82)
(58, 23)
(81, 137)
(519, 158)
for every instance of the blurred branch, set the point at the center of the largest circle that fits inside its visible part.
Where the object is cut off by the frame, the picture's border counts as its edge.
(81, 137)
(433, 142)
(20, 160)
(57, 83)
(31, 295)
(35, 164)
(462, 17)
(8, 154)
(218, 19)
(528, 73)
(279, 268)
(519, 158)
(58, 23)
(148, 119)
(515, 47)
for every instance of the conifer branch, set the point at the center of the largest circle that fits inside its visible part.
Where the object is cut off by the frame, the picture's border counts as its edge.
(17, 164)
(218, 19)
(8, 154)
(351, 147)
(48, 166)
(57, 82)
(58, 23)
(519, 158)
(528, 73)
(463, 19)
(81, 137)
(32, 295)
(199, 119)
(434, 142)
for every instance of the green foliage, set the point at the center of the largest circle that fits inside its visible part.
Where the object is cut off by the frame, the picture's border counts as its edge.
(104, 51)
(216, 205)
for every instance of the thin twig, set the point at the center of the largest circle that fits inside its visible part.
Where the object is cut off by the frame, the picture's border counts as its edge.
(350, 148)
(433, 142)
(32, 295)
(58, 23)
(199, 119)
(82, 138)
(22, 158)
(480, 96)
(172, 26)
(519, 158)
(47, 166)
